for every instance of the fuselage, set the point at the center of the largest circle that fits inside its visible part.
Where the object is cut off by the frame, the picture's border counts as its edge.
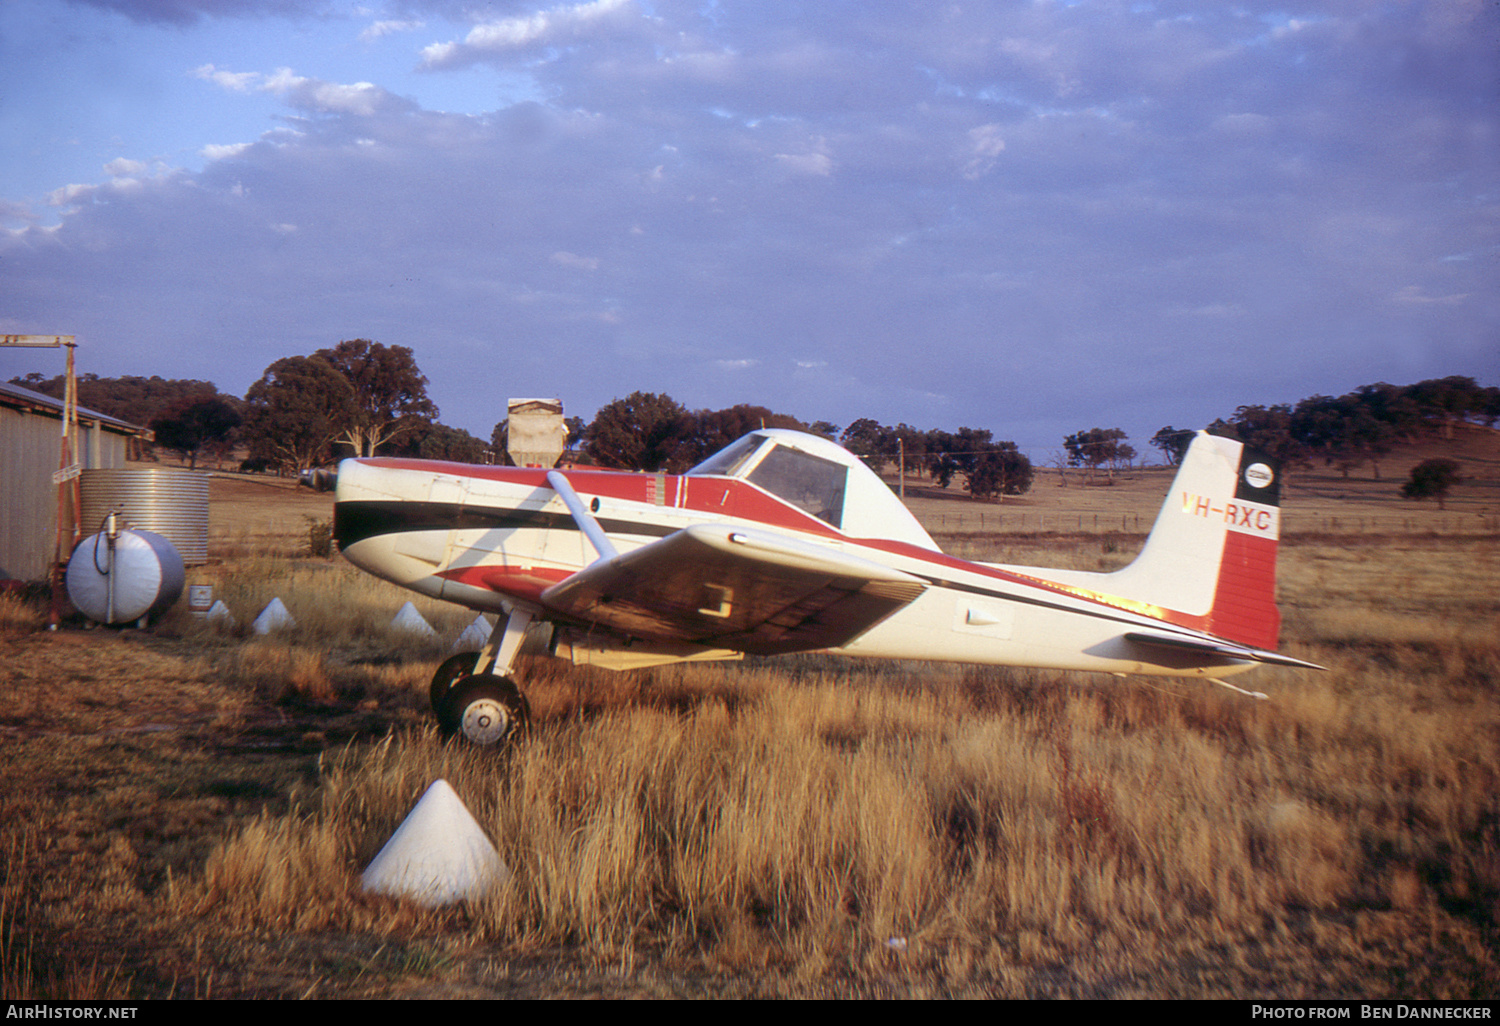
(493, 538)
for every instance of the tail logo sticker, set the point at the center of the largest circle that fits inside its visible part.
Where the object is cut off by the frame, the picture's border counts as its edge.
(1258, 475)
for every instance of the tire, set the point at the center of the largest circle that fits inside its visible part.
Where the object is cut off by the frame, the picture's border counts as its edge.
(485, 710)
(448, 674)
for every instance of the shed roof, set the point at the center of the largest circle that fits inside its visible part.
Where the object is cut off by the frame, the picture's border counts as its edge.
(36, 402)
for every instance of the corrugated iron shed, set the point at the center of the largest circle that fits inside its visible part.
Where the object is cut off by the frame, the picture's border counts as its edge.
(30, 436)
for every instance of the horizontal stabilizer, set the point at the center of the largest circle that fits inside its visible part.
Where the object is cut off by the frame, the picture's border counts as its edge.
(1209, 646)
(736, 588)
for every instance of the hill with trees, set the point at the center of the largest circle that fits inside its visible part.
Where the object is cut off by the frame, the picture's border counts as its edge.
(135, 400)
(1364, 425)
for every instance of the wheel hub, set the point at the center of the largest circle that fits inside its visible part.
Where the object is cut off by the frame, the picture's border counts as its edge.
(486, 721)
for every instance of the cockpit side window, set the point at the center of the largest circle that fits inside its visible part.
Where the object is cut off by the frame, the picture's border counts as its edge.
(806, 481)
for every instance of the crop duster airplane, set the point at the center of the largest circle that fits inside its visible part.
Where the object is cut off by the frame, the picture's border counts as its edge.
(785, 542)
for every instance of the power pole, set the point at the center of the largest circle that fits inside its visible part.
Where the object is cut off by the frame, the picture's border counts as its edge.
(901, 466)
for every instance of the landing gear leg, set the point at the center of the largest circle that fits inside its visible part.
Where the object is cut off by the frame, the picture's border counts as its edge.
(499, 654)
(478, 699)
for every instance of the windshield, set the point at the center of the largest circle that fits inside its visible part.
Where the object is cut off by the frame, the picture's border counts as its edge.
(728, 460)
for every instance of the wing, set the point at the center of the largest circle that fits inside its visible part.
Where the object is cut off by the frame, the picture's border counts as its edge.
(736, 588)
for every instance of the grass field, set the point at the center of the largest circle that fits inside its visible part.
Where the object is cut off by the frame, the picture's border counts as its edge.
(186, 811)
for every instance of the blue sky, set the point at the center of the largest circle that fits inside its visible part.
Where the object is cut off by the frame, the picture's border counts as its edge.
(1032, 217)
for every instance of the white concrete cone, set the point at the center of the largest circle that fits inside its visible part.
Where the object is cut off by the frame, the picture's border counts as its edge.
(438, 855)
(219, 614)
(273, 618)
(408, 619)
(474, 636)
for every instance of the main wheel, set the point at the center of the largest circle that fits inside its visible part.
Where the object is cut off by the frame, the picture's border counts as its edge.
(486, 710)
(453, 669)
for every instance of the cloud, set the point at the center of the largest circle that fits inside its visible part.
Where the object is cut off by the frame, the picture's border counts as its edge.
(123, 168)
(189, 12)
(308, 94)
(239, 82)
(985, 144)
(70, 195)
(386, 28)
(508, 34)
(1417, 295)
(806, 163)
(573, 260)
(222, 152)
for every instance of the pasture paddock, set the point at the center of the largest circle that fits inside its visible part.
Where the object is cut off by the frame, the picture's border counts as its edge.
(186, 811)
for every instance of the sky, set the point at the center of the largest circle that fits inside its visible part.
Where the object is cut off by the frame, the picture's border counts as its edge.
(1030, 216)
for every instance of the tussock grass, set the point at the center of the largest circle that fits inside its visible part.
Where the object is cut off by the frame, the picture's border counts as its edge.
(802, 814)
(27, 972)
(19, 615)
(336, 607)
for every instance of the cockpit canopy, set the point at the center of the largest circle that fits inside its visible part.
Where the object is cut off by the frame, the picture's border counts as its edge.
(821, 478)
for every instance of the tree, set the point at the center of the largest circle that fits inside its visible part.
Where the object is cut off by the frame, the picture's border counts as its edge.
(950, 453)
(1098, 447)
(135, 400)
(866, 439)
(1489, 407)
(1391, 405)
(1173, 443)
(442, 442)
(432, 441)
(295, 411)
(1000, 470)
(1344, 432)
(1433, 478)
(389, 392)
(643, 431)
(712, 430)
(191, 426)
(1448, 401)
(1267, 429)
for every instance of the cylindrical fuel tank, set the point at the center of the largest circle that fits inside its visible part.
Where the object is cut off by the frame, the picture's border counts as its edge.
(171, 503)
(140, 575)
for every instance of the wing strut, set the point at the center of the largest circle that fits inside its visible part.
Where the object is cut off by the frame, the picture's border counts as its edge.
(581, 516)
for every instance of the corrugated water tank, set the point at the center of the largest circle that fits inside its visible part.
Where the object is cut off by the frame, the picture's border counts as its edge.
(171, 503)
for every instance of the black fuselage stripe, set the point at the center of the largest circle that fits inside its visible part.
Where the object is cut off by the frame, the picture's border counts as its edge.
(354, 521)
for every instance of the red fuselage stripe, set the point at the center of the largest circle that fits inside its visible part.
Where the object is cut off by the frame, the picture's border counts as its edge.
(738, 500)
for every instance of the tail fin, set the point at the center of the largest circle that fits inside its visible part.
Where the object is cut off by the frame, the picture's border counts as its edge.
(1210, 560)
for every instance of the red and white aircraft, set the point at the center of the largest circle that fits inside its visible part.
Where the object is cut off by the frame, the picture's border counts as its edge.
(785, 542)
